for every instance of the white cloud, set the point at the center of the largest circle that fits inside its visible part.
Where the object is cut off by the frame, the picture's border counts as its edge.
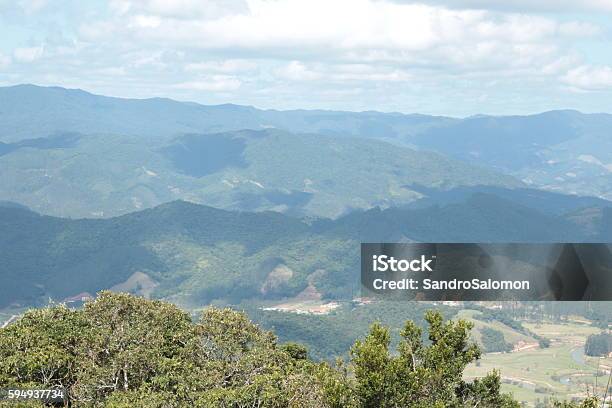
(562, 64)
(28, 54)
(181, 9)
(556, 6)
(146, 22)
(226, 66)
(386, 53)
(579, 28)
(112, 71)
(32, 6)
(314, 24)
(297, 71)
(319, 29)
(95, 30)
(589, 78)
(215, 83)
(5, 61)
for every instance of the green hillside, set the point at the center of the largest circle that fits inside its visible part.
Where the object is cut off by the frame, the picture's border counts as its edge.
(105, 175)
(194, 255)
(560, 151)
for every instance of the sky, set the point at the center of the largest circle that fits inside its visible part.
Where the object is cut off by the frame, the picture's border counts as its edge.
(443, 57)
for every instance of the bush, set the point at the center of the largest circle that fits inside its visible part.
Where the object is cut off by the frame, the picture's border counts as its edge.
(598, 345)
(493, 341)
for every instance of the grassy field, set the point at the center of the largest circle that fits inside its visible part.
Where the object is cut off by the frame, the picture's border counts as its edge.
(561, 371)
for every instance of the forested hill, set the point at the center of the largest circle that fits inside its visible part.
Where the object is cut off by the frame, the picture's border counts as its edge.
(194, 254)
(104, 175)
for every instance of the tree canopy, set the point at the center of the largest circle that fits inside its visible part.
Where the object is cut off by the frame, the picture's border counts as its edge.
(124, 351)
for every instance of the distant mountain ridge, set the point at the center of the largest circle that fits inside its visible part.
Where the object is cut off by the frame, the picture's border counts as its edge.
(73, 110)
(564, 151)
(59, 109)
(254, 170)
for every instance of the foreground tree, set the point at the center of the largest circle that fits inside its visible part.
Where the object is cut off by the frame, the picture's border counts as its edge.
(420, 375)
(591, 402)
(122, 351)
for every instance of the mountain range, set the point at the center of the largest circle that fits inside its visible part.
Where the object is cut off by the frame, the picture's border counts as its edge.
(70, 153)
(195, 255)
(220, 204)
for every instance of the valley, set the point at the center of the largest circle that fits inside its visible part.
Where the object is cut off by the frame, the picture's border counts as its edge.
(561, 371)
(532, 373)
(264, 211)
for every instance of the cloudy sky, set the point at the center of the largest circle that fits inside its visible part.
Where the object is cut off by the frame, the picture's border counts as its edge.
(450, 57)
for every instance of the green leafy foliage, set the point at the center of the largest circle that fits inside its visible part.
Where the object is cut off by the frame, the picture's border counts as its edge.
(599, 344)
(493, 341)
(423, 375)
(330, 336)
(591, 402)
(124, 351)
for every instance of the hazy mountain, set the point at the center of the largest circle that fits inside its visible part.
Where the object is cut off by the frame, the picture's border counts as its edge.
(480, 218)
(28, 111)
(548, 202)
(193, 254)
(564, 151)
(105, 175)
